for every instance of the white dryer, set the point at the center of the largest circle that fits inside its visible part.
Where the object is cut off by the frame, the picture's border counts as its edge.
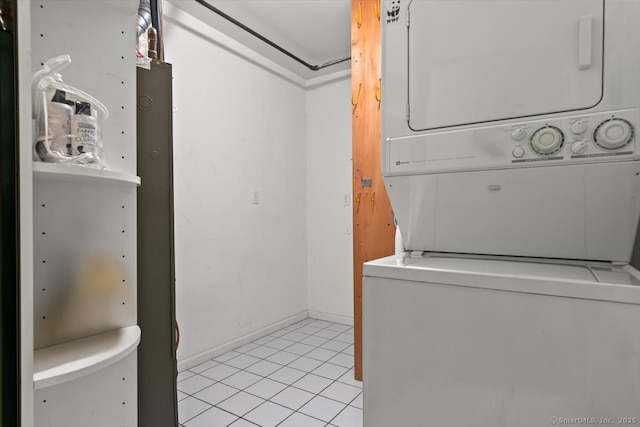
(511, 127)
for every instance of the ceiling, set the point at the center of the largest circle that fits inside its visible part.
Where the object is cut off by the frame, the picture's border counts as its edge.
(316, 31)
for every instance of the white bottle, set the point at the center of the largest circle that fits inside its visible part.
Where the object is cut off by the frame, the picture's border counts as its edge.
(58, 117)
(84, 130)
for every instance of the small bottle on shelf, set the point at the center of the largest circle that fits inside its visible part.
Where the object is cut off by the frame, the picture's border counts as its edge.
(59, 114)
(84, 130)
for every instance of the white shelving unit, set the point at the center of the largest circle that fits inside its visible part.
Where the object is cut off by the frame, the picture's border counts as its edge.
(85, 331)
(26, 214)
(73, 173)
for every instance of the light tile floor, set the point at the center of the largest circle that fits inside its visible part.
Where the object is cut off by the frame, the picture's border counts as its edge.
(299, 376)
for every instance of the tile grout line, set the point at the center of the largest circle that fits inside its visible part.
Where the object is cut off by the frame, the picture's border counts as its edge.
(199, 413)
(286, 386)
(275, 403)
(274, 380)
(323, 362)
(267, 377)
(277, 351)
(346, 406)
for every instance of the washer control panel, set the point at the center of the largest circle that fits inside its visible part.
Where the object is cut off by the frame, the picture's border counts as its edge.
(596, 137)
(572, 138)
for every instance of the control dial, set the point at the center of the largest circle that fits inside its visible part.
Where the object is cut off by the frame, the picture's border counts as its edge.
(518, 134)
(613, 134)
(578, 147)
(578, 127)
(547, 140)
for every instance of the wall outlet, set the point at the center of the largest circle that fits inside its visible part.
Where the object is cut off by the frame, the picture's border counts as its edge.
(255, 197)
(346, 199)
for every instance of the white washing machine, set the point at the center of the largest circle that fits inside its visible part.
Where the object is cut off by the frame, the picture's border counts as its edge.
(509, 131)
(511, 127)
(500, 342)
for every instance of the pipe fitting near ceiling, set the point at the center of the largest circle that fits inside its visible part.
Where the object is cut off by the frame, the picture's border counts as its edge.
(144, 17)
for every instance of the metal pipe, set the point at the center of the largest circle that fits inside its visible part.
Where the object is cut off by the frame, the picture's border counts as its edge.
(144, 17)
(156, 22)
(3, 27)
(269, 42)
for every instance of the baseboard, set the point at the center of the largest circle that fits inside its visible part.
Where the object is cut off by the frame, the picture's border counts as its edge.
(336, 318)
(192, 361)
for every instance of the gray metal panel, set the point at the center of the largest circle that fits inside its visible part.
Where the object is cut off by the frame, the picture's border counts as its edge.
(157, 370)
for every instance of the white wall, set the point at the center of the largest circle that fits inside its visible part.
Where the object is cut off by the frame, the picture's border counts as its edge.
(329, 221)
(238, 127)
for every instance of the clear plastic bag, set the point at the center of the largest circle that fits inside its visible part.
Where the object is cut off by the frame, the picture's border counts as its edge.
(68, 121)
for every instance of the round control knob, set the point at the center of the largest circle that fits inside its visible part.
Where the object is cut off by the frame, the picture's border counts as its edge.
(547, 140)
(578, 127)
(613, 134)
(518, 134)
(518, 152)
(578, 147)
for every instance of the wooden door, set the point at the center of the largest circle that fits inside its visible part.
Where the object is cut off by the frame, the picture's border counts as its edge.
(373, 235)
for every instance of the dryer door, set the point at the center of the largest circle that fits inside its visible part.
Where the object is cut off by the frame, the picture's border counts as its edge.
(476, 61)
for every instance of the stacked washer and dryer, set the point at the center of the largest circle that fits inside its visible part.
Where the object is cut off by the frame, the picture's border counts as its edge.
(512, 161)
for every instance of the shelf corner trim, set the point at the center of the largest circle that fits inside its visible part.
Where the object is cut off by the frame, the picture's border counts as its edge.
(68, 361)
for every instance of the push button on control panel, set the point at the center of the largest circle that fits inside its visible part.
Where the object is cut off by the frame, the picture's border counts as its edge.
(518, 152)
